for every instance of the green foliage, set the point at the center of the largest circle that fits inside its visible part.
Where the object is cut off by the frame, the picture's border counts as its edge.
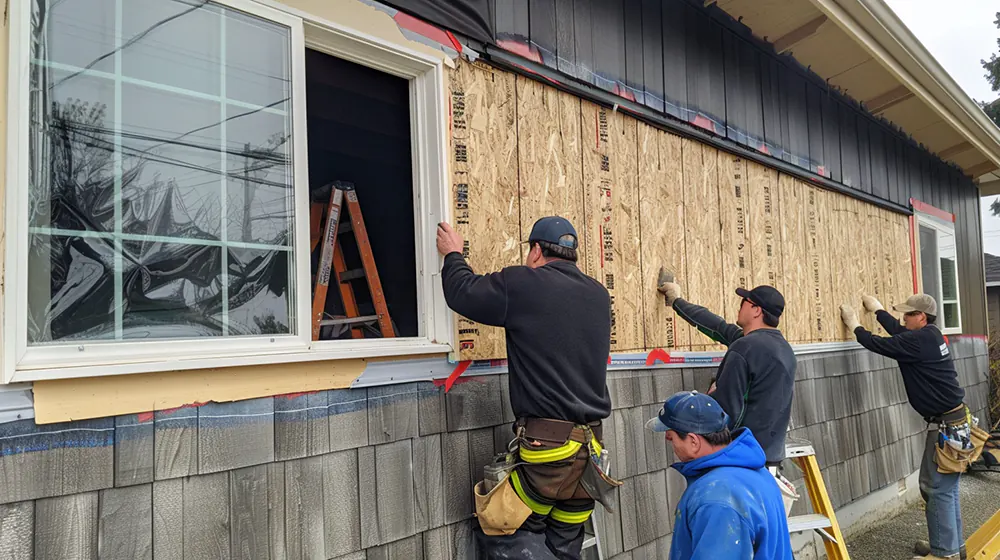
(992, 67)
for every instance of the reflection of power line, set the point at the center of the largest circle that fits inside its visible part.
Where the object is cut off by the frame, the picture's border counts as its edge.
(130, 42)
(179, 163)
(225, 120)
(258, 155)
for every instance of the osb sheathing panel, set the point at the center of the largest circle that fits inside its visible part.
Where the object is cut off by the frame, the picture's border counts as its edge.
(484, 168)
(842, 249)
(661, 217)
(703, 242)
(642, 198)
(550, 178)
(736, 257)
(886, 245)
(816, 249)
(764, 225)
(874, 279)
(794, 261)
(611, 179)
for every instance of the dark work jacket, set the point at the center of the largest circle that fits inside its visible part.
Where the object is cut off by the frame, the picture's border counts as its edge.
(558, 326)
(924, 359)
(756, 378)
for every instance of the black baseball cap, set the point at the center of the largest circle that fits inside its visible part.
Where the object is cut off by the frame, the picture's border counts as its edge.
(554, 230)
(765, 297)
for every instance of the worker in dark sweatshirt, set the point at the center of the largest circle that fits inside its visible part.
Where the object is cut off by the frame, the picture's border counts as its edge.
(932, 388)
(558, 327)
(757, 375)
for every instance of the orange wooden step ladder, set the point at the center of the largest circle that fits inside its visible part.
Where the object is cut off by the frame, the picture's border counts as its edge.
(332, 263)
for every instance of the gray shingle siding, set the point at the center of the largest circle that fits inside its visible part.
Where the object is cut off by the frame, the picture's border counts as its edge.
(387, 472)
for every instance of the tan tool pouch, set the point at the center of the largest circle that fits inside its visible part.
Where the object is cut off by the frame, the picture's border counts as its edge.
(599, 485)
(500, 511)
(950, 460)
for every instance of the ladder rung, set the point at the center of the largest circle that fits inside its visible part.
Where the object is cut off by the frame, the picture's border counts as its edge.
(344, 227)
(349, 320)
(587, 543)
(352, 274)
(808, 522)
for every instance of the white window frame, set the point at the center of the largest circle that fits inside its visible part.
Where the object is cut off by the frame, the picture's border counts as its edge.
(940, 226)
(428, 114)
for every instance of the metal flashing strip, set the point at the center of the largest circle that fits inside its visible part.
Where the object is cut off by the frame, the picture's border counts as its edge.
(436, 370)
(527, 68)
(16, 403)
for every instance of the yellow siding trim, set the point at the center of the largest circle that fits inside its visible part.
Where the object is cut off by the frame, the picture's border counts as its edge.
(63, 400)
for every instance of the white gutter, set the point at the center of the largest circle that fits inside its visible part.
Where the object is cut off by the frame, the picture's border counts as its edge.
(875, 27)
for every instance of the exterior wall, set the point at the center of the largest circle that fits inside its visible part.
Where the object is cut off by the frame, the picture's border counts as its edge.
(698, 66)
(387, 472)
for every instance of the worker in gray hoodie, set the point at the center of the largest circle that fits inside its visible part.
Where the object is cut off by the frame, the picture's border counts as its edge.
(757, 375)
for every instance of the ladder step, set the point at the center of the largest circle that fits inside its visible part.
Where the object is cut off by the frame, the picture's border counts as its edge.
(344, 227)
(587, 543)
(808, 522)
(349, 320)
(352, 274)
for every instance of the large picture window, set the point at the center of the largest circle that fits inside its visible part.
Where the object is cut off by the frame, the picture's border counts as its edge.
(938, 265)
(161, 184)
(163, 192)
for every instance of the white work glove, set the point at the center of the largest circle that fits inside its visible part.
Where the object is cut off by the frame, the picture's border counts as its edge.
(871, 304)
(670, 290)
(850, 317)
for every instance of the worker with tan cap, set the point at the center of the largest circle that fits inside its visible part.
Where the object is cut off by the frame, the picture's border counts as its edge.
(933, 390)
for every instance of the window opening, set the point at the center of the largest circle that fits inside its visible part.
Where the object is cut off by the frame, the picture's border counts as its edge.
(359, 133)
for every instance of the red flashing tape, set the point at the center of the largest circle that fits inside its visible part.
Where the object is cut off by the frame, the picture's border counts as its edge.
(657, 354)
(459, 370)
(925, 208)
(454, 41)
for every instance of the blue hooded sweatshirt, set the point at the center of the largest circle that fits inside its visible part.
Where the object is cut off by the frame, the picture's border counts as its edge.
(732, 508)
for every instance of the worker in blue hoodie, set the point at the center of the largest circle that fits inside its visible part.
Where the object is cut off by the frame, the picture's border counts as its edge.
(731, 508)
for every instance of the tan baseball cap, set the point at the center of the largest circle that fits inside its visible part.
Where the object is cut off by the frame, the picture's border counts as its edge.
(918, 302)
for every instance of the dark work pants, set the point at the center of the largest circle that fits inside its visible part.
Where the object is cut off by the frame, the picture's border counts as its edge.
(556, 486)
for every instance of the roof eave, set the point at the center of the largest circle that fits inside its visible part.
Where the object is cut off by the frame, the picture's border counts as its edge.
(875, 27)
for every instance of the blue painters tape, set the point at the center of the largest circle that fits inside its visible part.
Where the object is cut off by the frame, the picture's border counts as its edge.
(61, 439)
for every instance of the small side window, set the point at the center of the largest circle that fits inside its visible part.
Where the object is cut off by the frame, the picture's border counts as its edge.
(938, 257)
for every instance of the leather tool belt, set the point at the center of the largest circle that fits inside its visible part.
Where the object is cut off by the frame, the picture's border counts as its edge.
(960, 441)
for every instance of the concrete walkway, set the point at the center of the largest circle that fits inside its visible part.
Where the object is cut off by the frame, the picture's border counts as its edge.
(893, 540)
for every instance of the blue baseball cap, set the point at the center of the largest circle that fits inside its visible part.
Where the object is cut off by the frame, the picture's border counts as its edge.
(554, 230)
(690, 412)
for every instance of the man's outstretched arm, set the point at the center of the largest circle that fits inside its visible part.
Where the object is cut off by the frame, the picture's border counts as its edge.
(710, 324)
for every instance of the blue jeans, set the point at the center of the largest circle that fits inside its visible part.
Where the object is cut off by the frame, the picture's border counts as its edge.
(940, 491)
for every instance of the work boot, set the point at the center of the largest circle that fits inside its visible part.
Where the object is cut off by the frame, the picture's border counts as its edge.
(923, 548)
